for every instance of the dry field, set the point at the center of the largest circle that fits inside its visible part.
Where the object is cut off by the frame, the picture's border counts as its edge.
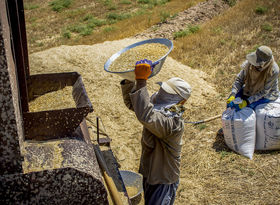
(94, 21)
(208, 59)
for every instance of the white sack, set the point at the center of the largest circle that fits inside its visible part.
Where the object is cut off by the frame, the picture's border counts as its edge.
(278, 99)
(239, 129)
(268, 126)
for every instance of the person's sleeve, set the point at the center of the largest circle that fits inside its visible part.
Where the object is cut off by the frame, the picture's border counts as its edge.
(239, 81)
(270, 90)
(157, 123)
(127, 87)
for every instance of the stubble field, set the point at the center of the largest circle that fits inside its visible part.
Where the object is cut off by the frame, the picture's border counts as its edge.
(207, 54)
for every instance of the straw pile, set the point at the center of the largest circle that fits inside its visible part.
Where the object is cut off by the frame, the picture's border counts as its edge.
(104, 91)
(126, 61)
(210, 172)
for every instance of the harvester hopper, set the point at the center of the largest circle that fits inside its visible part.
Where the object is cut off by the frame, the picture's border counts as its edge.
(46, 157)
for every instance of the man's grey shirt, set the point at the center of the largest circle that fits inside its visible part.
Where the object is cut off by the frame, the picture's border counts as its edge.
(270, 91)
(161, 138)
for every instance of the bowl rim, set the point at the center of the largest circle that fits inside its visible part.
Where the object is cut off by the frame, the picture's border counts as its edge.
(163, 41)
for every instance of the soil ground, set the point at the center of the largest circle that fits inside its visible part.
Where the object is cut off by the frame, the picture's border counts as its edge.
(195, 15)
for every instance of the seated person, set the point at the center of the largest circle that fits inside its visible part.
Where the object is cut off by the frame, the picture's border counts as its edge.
(257, 82)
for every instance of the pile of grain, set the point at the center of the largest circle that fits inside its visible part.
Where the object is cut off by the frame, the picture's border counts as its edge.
(121, 125)
(55, 100)
(104, 90)
(126, 61)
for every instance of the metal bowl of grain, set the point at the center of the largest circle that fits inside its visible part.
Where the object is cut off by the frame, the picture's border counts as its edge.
(132, 182)
(123, 62)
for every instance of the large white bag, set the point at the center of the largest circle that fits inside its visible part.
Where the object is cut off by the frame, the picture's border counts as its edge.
(278, 99)
(239, 129)
(268, 126)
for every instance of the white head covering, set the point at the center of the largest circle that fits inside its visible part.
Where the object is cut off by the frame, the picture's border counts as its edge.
(177, 86)
(170, 93)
